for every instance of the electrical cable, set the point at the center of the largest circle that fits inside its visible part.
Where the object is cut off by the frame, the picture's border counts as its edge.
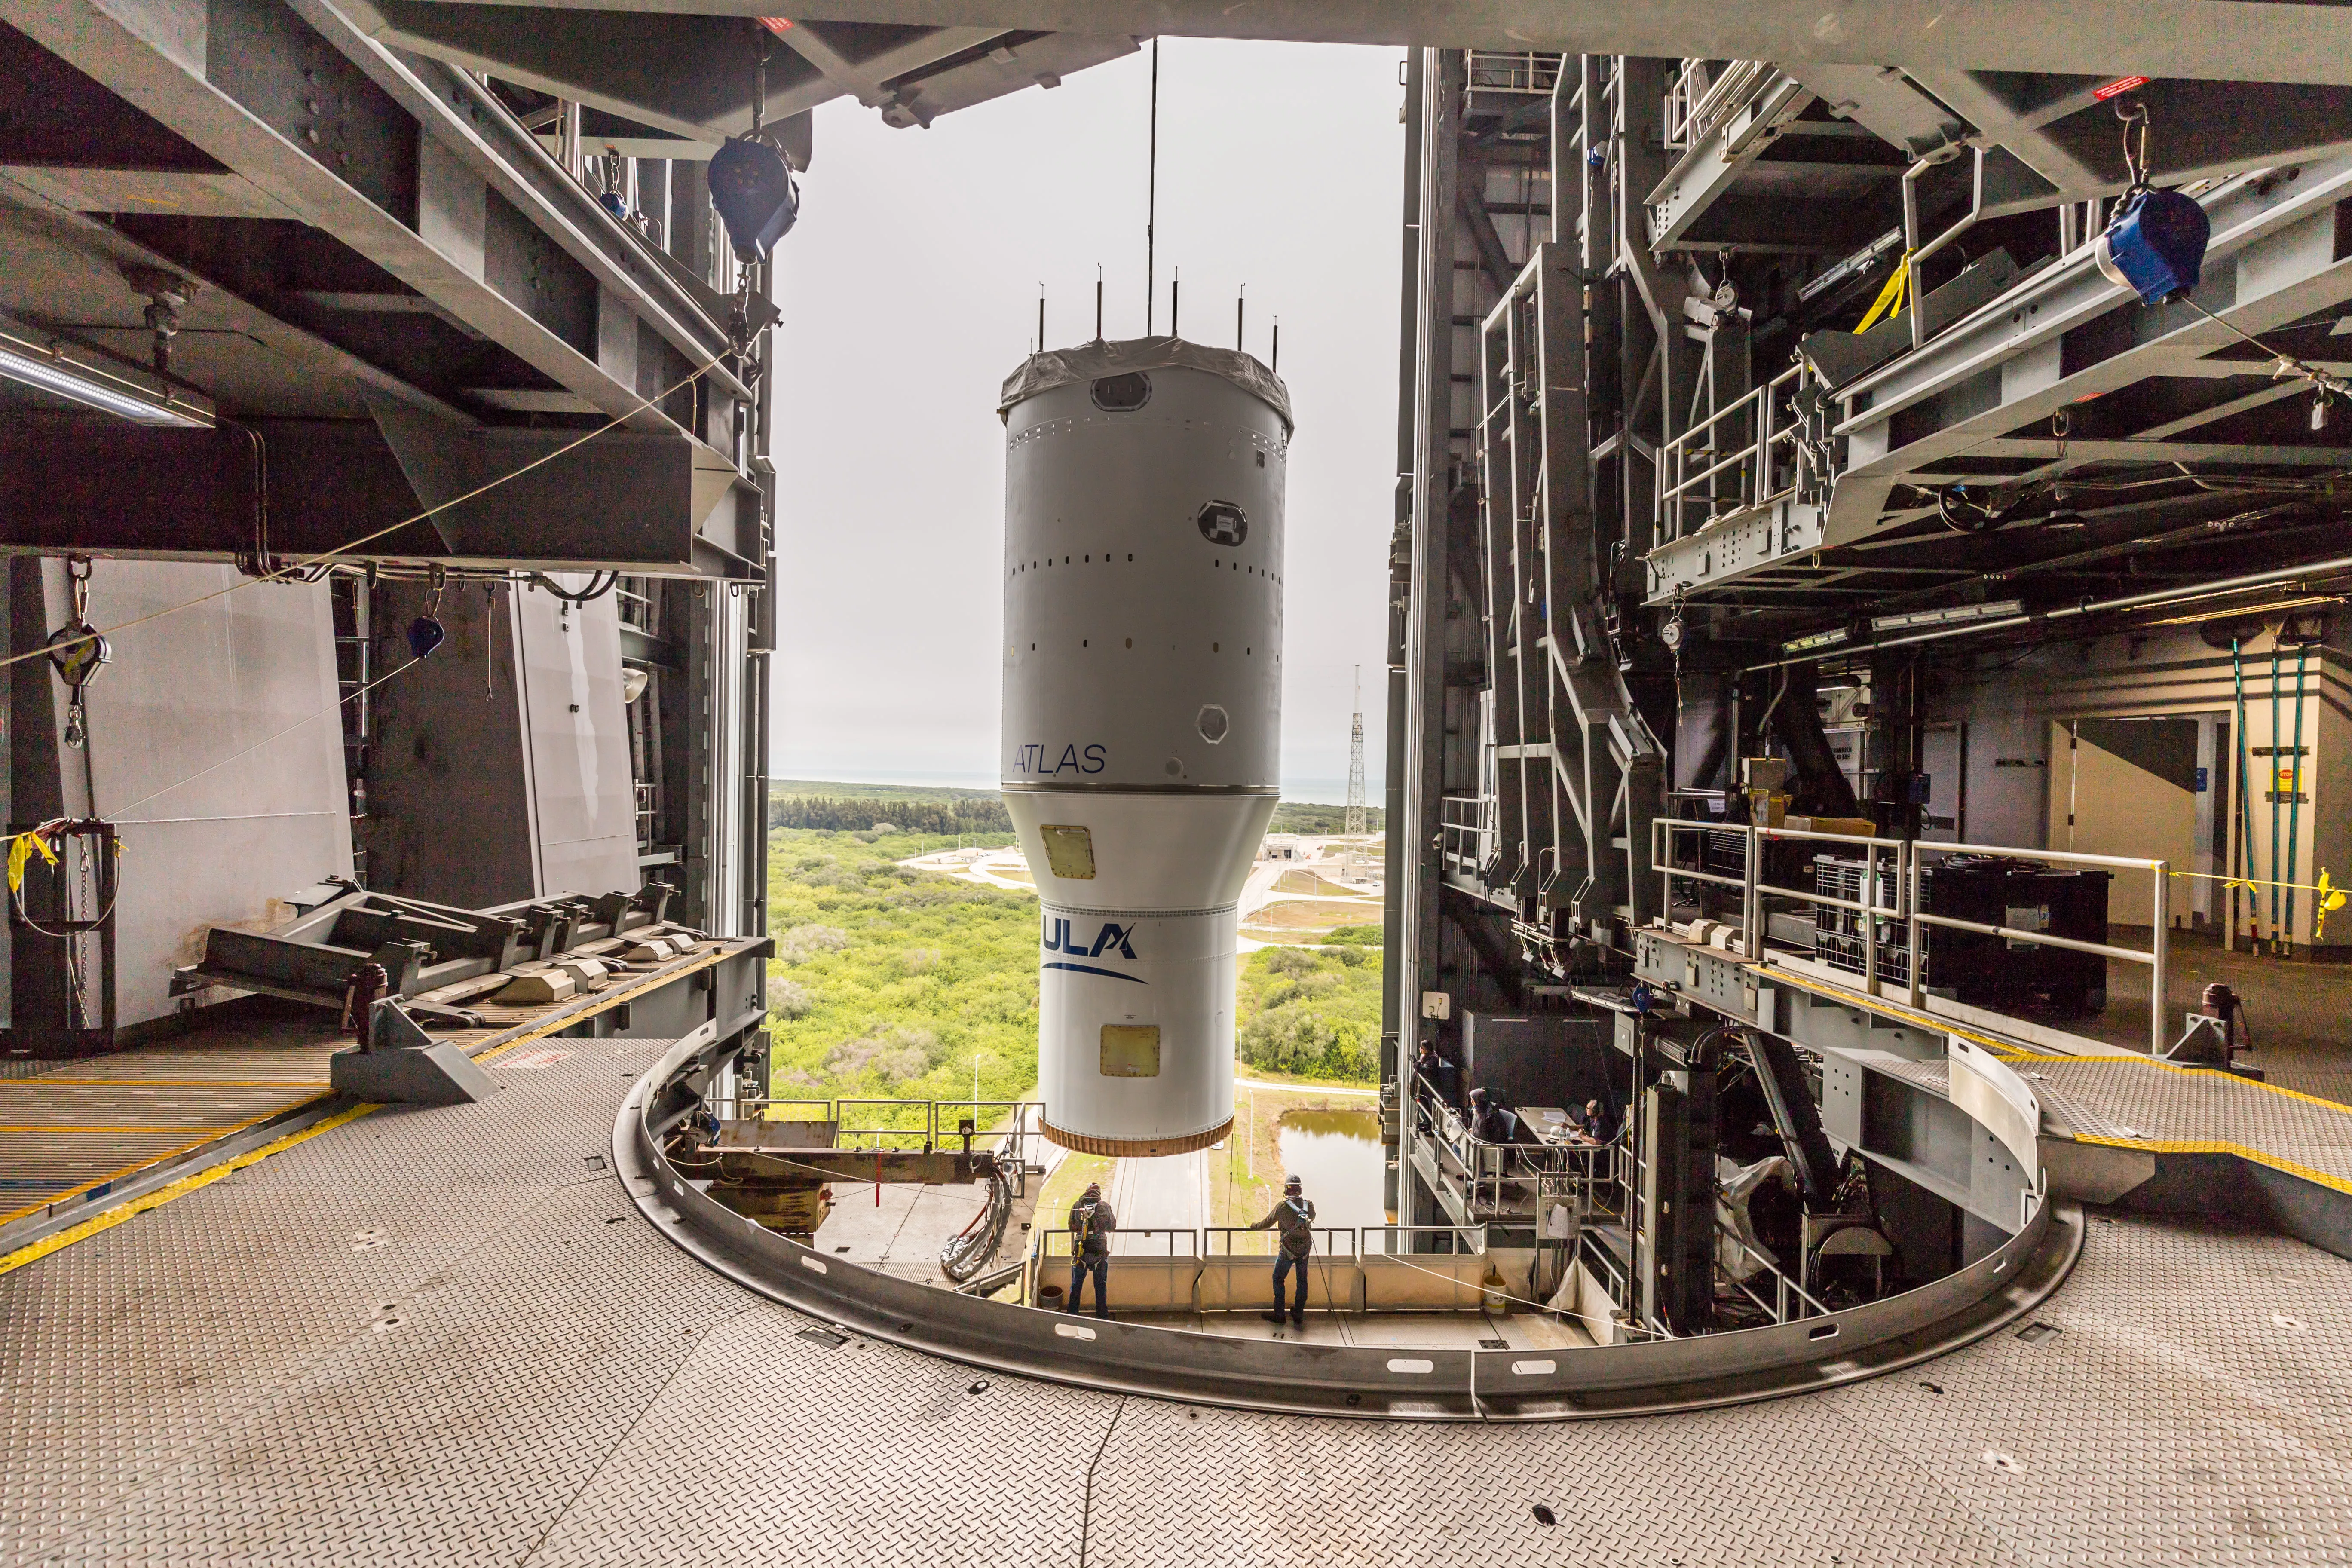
(290, 574)
(2327, 384)
(593, 592)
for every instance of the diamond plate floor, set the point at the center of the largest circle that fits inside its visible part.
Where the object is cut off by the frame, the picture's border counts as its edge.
(68, 1127)
(445, 1336)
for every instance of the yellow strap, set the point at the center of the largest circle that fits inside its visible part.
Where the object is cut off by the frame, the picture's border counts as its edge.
(1890, 298)
(20, 850)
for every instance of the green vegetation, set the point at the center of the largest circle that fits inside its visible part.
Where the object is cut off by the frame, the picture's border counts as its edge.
(792, 789)
(917, 808)
(857, 814)
(1310, 816)
(1312, 1014)
(887, 981)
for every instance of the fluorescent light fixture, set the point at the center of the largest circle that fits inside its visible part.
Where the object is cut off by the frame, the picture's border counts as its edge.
(1818, 640)
(85, 382)
(1956, 616)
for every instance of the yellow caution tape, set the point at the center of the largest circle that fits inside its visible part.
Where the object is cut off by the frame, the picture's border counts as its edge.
(1890, 298)
(2327, 896)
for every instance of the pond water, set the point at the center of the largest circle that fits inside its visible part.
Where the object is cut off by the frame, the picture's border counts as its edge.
(1337, 1153)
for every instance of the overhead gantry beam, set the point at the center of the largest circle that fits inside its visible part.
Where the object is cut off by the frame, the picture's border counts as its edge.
(642, 502)
(421, 178)
(2230, 40)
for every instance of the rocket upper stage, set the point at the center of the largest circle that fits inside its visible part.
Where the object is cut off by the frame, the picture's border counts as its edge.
(1143, 568)
(1142, 712)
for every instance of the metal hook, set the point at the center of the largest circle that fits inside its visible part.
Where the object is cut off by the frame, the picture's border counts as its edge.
(2133, 113)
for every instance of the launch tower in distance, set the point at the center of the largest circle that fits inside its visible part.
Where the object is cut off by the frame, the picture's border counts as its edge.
(1356, 759)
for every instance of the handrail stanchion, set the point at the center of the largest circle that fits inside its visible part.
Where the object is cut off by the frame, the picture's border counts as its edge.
(1869, 920)
(2160, 909)
(1748, 945)
(1907, 868)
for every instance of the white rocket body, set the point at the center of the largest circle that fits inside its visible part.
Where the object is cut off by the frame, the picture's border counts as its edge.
(1142, 712)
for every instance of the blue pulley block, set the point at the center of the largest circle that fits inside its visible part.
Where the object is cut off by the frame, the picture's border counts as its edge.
(751, 186)
(611, 203)
(2156, 245)
(426, 633)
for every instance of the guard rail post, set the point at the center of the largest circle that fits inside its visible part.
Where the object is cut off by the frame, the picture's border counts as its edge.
(1870, 919)
(2160, 911)
(1750, 947)
(1906, 859)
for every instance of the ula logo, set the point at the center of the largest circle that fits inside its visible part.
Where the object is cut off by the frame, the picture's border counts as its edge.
(1058, 937)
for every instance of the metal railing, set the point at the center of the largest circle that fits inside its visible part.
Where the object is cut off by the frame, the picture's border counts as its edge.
(1783, 1287)
(1004, 1126)
(1331, 1241)
(1874, 918)
(1498, 70)
(1465, 829)
(1484, 1168)
(1692, 466)
(1169, 1237)
(1703, 94)
(1461, 1239)
(1915, 251)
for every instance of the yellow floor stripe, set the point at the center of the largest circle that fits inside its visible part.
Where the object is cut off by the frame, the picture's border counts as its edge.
(114, 1216)
(2219, 1146)
(2337, 1106)
(163, 1083)
(120, 1127)
(604, 1003)
(179, 1189)
(2011, 1050)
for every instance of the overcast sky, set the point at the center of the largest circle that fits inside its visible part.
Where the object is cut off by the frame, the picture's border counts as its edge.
(910, 290)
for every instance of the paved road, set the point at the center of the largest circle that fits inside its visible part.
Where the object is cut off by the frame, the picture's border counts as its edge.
(1169, 1191)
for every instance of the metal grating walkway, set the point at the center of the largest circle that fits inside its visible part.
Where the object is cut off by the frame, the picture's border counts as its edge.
(2132, 1102)
(72, 1129)
(75, 1134)
(445, 1337)
(2112, 1095)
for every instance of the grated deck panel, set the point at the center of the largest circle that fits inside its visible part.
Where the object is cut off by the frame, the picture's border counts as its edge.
(444, 1336)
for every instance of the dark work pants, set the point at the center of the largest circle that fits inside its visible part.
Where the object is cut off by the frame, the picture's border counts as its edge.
(1283, 1264)
(1099, 1266)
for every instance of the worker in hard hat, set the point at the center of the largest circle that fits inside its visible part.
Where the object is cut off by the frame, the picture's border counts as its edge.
(1091, 1224)
(1295, 1216)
